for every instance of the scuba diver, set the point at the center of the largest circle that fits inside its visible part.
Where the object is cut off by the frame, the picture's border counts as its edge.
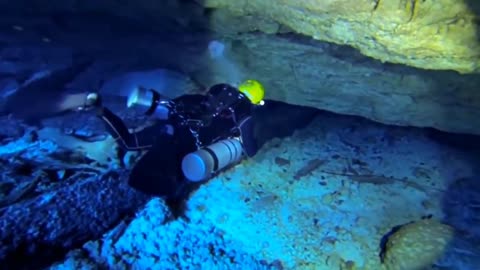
(193, 137)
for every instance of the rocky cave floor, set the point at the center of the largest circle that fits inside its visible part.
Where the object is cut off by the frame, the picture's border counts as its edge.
(322, 198)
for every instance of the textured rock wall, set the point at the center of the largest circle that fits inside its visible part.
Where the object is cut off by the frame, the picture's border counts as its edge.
(341, 80)
(295, 69)
(44, 227)
(440, 35)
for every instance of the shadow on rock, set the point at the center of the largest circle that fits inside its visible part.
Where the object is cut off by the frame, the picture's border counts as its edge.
(474, 6)
(461, 206)
(279, 120)
(461, 203)
(462, 212)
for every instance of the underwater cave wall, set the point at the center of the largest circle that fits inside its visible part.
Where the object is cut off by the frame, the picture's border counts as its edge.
(295, 69)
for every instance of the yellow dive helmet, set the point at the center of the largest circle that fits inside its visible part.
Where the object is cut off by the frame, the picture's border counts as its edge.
(253, 90)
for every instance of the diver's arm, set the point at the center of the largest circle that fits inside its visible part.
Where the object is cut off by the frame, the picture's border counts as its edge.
(130, 141)
(114, 125)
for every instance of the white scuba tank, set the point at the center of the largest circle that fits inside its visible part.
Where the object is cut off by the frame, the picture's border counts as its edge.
(203, 163)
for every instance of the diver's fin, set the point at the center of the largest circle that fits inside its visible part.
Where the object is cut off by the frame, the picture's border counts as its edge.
(38, 98)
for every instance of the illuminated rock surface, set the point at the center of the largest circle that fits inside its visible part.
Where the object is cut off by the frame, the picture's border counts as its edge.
(324, 198)
(262, 41)
(321, 199)
(425, 34)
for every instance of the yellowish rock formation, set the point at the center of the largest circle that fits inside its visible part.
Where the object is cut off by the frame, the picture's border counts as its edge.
(418, 245)
(440, 35)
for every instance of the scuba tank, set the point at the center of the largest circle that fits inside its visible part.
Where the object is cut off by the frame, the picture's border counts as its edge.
(203, 163)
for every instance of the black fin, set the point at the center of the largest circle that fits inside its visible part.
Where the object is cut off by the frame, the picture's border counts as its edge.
(37, 99)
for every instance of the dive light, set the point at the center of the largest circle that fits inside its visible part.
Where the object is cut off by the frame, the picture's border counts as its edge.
(150, 102)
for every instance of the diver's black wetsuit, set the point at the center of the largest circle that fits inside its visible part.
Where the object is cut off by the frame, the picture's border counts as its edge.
(197, 120)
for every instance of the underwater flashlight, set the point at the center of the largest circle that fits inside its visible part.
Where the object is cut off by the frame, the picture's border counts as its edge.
(151, 102)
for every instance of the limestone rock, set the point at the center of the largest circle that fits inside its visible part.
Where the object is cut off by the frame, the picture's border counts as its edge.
(295, 69)
(339, 79)
(51, 223)
(103, 151)
(440, 35)
(427, 34)
(417, 245)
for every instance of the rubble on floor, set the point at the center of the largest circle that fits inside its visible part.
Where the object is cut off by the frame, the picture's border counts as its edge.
(327, 197)
(56, 192)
